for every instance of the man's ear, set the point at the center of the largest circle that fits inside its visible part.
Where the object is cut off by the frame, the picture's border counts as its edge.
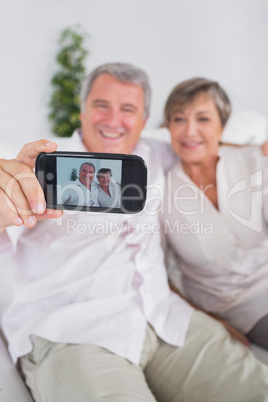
(144, 121)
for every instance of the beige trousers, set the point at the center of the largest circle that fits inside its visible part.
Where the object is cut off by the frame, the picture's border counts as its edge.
(209, 367)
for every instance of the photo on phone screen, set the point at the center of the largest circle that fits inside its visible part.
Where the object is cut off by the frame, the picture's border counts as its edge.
(93, 182)
(89, 182)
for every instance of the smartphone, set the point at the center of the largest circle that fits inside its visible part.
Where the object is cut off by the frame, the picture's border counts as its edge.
(95, 182)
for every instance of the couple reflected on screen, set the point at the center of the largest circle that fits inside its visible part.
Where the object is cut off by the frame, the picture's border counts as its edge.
(84, 190)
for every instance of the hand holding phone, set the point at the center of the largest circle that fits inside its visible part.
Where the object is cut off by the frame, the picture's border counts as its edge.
(93, 182)
(21, 197)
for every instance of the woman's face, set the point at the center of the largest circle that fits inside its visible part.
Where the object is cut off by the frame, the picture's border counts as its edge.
(196, 130)
(104, 179)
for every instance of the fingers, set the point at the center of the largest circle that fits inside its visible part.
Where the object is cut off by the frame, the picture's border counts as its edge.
(24, 193)
(50, 214)
(9, 215)
(238, 336)
(235, 334)
(21, 196)
(15, 209)
(30, 151)
(241, 338)
(27, 179)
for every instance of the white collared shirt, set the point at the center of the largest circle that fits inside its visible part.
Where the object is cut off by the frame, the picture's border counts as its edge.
(76, 193)
(223, 253)
(94, 277)
(113, 200)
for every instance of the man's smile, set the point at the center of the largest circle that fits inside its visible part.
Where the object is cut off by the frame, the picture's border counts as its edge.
(191, 144)
(110, 135)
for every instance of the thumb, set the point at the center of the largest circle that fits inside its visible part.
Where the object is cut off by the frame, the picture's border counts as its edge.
(29, 152)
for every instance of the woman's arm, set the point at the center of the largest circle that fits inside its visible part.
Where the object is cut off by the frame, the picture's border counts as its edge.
(235, 334)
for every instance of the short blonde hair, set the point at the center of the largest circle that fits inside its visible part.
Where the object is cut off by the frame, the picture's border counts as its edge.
(185, 92)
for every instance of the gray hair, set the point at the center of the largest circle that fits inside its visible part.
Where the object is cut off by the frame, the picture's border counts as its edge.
(122, 72)
(104, 171)
(185, 92)
(89, 164)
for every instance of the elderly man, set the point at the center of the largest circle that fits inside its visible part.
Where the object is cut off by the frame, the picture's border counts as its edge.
(93, 317)
(83, 191)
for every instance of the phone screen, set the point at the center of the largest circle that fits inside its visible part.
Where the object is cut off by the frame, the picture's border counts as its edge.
(89, 182)
(93, 182)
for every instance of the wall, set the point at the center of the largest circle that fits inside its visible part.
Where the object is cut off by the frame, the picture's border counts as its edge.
(172, 40)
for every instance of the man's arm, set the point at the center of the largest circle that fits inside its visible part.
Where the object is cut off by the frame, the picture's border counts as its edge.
(264, 146)
(22, 200)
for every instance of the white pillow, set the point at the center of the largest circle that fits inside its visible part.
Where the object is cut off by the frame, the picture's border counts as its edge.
(160, 134)
(246, 127)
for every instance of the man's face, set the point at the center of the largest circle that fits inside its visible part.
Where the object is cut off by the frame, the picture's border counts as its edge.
(86, 175)
(113, 117)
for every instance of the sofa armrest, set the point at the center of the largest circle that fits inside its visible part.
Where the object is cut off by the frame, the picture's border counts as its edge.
(12, 387)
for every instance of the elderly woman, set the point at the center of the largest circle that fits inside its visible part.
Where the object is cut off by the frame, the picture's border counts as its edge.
(216, 210)
(109, 191)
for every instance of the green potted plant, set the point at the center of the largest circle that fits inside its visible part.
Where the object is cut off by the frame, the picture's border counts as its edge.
(65, 101)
